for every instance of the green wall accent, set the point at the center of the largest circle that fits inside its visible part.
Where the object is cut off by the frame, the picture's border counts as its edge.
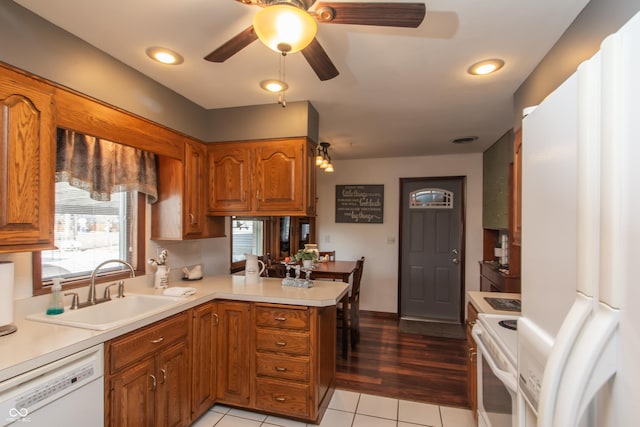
(495, 183)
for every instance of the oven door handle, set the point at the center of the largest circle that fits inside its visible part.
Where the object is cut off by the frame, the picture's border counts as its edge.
(507, 378)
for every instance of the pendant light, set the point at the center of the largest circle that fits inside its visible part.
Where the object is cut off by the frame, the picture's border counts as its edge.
(323, 160)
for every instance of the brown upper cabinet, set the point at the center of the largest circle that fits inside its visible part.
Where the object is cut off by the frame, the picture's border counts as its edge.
(179, 212)
(27, 149)
(271, 177)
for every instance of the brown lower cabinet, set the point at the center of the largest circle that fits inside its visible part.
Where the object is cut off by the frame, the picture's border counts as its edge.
(273, 358)
(147, 376)
(472, 362)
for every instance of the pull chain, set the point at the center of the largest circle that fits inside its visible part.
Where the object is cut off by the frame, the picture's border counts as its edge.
(281, 72)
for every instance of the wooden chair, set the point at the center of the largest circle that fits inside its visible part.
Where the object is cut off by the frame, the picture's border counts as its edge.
(353, 310)
(331, 254)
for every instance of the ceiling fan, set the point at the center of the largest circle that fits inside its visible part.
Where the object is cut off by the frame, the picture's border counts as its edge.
(409, 15)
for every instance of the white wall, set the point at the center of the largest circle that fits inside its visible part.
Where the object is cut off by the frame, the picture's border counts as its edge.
(379, 242)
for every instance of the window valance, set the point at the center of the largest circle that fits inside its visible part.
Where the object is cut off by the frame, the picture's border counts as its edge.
(103, 167)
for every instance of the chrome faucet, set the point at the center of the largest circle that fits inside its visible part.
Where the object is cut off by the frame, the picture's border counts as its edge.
(91, 299)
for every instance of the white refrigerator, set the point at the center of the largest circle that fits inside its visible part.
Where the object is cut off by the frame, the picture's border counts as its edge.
(579, 334)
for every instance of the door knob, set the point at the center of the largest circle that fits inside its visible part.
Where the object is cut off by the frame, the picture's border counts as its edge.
(455, 261)
(455, 252)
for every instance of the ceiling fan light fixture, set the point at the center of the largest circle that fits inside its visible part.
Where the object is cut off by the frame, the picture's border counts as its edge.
(164, 55)
(485, 67)
(284, 27)
(274, 86)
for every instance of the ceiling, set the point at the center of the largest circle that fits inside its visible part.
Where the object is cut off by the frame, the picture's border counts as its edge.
(400, 92)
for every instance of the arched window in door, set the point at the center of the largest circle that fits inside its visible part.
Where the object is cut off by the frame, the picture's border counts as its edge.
(431, 198)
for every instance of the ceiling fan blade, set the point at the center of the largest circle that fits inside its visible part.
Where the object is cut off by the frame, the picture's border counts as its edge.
(233, 46)
(408, 15)
(319, 61)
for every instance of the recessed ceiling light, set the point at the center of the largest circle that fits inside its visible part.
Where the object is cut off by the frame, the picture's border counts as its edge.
(486, 66)
(274, 86)
(164, 55)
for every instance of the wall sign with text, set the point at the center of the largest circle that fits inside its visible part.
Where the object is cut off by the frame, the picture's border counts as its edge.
(360, 203)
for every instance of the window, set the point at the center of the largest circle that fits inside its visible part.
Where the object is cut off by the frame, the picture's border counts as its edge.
(99, 210)
(88, 232)
(247, 236)
(431, 198)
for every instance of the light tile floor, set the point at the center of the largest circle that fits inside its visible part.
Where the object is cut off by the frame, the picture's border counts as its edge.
(350, 409)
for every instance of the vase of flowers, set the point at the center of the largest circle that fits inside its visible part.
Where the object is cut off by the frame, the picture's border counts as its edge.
(307, 257)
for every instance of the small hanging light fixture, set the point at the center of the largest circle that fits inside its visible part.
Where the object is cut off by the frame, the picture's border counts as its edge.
(323, 160)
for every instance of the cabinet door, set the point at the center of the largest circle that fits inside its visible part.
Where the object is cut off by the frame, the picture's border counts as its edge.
(279, 181)
(27, 165)
(229, 173)
(310, 192)
(193, 213)
(132, 396)
(234, 347)
(203, 378)
(173, 403)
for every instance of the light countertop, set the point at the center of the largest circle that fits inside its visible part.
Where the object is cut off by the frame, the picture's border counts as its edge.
(476, 298)
(37, 343)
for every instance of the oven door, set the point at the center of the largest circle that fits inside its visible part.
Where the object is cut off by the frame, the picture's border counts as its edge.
(497, 386)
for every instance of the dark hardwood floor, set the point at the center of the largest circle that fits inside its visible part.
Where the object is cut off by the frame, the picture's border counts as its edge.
(405, 366)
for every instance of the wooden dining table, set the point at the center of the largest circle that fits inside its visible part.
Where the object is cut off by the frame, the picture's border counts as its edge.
(338, 271)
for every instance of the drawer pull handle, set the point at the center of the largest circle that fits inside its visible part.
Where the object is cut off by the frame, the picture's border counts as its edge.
(279, 369)
(281, 319)
(281, 343)
(159, 340)
(281, 399)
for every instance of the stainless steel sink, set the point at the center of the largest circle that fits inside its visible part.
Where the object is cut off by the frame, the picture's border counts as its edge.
(110, 314)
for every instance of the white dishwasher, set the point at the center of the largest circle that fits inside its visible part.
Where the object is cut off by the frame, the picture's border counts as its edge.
(68, 392)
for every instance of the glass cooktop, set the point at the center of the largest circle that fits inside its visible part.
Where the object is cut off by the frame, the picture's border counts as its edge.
(506, 304)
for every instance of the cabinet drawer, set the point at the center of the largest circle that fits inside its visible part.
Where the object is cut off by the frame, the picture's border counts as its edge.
(136, 345)
(282, 341)
(283, 367)
(282, 398)
(281, 317)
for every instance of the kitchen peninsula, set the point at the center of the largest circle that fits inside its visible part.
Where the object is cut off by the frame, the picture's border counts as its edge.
(264, 347)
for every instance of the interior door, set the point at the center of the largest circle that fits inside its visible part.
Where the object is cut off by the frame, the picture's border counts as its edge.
(431, 258)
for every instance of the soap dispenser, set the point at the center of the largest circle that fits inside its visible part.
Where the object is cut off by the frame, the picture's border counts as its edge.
(57, 304)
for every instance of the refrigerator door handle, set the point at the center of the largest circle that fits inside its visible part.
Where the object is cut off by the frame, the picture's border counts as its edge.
(578, 315)
(592, 362)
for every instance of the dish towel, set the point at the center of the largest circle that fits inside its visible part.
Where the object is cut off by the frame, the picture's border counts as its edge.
(179, 291)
